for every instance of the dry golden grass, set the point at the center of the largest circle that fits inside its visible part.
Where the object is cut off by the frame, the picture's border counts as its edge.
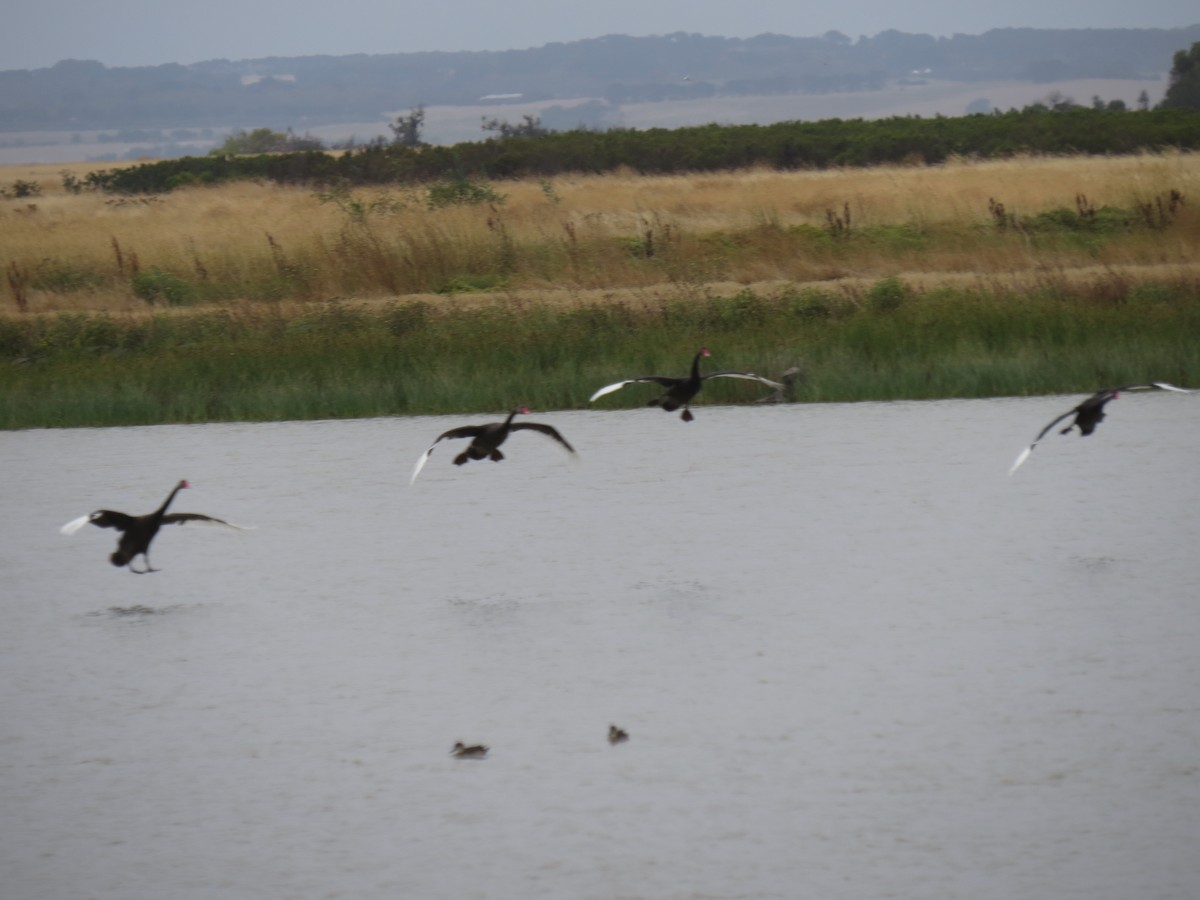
(571, 238)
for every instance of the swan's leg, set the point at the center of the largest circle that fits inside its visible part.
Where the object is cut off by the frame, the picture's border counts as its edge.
(496, 456)
(687, 415)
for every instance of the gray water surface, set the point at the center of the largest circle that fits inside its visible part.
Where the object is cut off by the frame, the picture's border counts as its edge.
(856, 659)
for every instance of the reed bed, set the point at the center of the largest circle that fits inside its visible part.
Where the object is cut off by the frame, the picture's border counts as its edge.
(265, 363)
(250, 301)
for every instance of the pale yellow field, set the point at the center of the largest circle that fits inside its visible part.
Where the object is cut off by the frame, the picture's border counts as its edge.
(569, 238)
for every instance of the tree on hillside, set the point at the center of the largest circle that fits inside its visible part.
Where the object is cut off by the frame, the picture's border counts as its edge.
(1184, 90)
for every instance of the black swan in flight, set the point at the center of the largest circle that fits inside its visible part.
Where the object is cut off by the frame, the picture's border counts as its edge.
(138, 531)
(486, 439)
(680, 391)
(1090, 413)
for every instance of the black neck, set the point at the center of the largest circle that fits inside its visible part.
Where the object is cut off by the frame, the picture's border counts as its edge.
(170, 497)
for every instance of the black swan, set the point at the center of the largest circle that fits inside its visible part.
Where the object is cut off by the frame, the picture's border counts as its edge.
(138, 531)
(475, 751)
(1090, 413)
(680, 391)
(486, 439)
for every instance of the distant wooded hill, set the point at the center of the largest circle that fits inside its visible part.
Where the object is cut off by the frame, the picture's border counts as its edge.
(313, 90)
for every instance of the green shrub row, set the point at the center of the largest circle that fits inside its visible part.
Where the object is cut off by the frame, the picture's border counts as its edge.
(787, 145)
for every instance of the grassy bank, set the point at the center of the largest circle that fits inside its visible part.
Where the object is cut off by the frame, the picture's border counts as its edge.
(887, 341)
(248, 243)
(250, 301)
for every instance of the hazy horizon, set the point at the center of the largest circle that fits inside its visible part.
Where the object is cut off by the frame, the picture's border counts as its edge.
(137, 33)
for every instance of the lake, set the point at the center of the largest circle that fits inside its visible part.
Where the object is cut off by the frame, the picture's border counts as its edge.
(856, 659)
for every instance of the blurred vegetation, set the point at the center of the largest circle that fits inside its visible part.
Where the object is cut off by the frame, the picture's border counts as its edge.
(1063, 129)
(889, 341)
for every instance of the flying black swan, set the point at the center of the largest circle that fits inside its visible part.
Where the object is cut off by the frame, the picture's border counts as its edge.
(1090, 413)
(474, 751)
(680, 391)
(486, 439)
(138, 531)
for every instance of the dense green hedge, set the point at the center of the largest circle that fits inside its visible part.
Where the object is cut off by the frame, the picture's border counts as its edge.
(786, 145)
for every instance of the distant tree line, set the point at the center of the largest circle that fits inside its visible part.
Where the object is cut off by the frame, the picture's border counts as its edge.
(1065, 128)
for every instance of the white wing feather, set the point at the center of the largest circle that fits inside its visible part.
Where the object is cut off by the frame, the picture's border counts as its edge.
(1162, 385)
(75, 524)
(420, 465)
(1020, 459)
(608, 389)
(749, 376)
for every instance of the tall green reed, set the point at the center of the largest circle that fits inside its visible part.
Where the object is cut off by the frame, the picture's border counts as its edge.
(347, 361)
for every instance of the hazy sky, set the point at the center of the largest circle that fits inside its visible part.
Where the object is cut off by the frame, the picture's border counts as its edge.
(39, 33)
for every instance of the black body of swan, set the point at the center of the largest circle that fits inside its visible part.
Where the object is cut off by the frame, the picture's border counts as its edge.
(486, 439)
(138, 531)
(474, 751)
(1090, 413)
(680, 391)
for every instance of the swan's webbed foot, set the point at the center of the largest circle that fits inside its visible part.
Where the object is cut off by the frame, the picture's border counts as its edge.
(687, 415)
(149, 568)
(496, 456)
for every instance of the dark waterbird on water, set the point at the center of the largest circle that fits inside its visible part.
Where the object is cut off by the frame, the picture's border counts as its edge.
(680, 391)
(1090, 413)
(486, 439)
(463, 751)
(138, 531)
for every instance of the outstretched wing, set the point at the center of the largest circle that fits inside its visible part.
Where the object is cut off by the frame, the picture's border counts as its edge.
(1153, 386)
(664, 380)
(1025, 453)
(747, 375)
(102, 518)
(463, 431)
(183, 518)
(544, 429)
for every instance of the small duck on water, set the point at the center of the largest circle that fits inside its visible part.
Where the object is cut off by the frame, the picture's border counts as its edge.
(475, 751)
(617, 735)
